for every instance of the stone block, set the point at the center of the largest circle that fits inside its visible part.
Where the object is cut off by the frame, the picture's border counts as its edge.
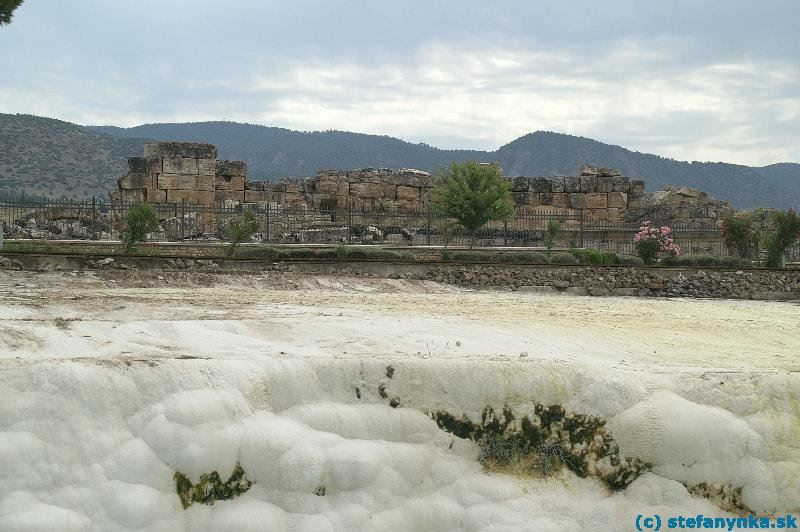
(596, 200)
(634, 202)
(531, 199)
(181, 149)
(546, 198)
(596, 183)
(154, 195)
(137, 165)
(636, 187)
(204, 182)
(229, 195)
(389, 191)
(293, 198)
(205, 197)
(230, 168)
(254, 196)
(180, 165)
(222, 182)
(614, 214)
(595, 215)
(576, 200)
(540, 184)
(619, 184)
(559, 199)
(154, 165)
(406, 193)
(558, 184)
(180, 196)
(290, 187)
(206, 167)
(135, 181)
(520, 184)
(132, 196)
(591, 170)
(572, 184)
(168, 182)
(191, 197)
(366, 190)
(258, 185)
(326, 185)
(618, 200)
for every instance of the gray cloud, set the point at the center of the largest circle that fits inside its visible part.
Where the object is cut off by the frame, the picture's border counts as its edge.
(691, 80)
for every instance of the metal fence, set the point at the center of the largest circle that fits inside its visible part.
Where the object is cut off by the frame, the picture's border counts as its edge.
(99, 220)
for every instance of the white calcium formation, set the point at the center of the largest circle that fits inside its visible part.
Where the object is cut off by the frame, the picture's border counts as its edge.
(370, 405)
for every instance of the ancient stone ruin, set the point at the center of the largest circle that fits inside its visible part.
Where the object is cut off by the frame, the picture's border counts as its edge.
(181, 173)
(176, 173)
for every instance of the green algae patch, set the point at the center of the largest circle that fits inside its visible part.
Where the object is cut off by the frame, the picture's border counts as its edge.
(540, 444)
(727, 496)
(210, 488)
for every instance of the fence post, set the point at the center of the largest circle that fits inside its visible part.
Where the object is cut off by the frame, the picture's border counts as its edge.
(266, 222)
(183, 219)
(94, 218)
(505, 232)
(349, 219)
(581, 228)
(430, 223)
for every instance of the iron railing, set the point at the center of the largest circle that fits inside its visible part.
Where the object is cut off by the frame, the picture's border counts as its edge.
(101, 220)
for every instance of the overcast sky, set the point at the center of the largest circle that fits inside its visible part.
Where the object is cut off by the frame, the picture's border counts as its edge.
(689, 79)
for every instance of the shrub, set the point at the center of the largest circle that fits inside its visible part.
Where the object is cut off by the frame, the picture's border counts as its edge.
(739, 233)
(734, 262)
(550, 235)
(564, 258)
(629, 260)
(650, 240)
(140, 220)
(371, 253)
(529, 257)
(240, 229)
(783, 233)
(594, 257)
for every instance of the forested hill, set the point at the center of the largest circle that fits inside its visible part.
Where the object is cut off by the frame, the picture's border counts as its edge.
(42, 155)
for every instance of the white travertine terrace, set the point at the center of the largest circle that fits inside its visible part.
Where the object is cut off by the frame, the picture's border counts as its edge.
(108, 389)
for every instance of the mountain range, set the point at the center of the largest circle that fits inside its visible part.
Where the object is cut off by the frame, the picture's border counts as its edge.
(45, 156)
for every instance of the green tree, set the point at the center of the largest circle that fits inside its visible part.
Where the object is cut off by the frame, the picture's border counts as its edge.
(550, 235)
(739, 233)
(473, 194)
(140, 220)
(782, 235)
(241, 229)
(7, 8)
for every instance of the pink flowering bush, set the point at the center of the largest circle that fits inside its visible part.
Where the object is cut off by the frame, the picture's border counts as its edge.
(651, 240)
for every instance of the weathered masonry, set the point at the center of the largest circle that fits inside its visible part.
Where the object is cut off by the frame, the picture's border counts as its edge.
(183, 173)
(178, 172)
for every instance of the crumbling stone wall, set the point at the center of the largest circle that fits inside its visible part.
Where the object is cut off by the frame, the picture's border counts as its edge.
(687, 206)
(176, 173)
(181, 172)
(603, 193)
(364, 188)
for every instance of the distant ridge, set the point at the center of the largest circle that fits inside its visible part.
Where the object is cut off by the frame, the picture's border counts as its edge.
(43, 155)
